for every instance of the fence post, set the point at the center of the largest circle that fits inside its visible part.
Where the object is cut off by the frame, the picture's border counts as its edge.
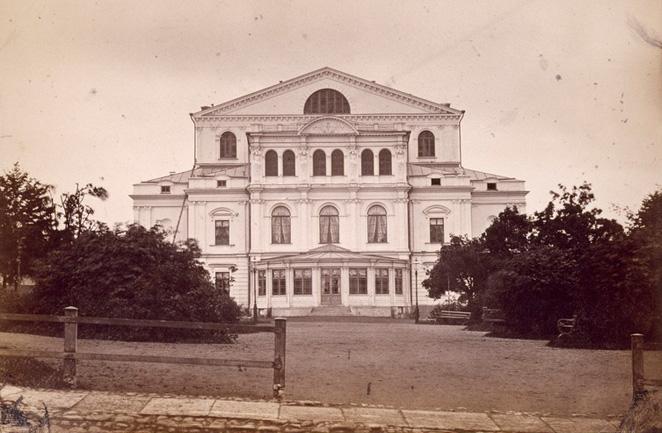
(70, 345)
(279, 357)
(637, 343)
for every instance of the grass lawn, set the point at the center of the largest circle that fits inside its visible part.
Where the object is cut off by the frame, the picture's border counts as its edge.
(379, 362)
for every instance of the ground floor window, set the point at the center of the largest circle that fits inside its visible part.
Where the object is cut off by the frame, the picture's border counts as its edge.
(303, 281)
(278, 282)
(381, 281)
(261, 283)
(358, 281)
(398, 281)
(222, 280)
(330, 281)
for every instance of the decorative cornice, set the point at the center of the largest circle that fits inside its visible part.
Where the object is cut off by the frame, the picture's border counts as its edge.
(335, 75)
(260, 118)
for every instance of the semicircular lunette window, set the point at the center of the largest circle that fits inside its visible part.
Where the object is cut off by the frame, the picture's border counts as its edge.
(326, 101)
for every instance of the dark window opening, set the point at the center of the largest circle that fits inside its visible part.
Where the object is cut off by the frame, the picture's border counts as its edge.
(491, 186)
(278, 282)
(222, 232)
(358, 281)
(319, 163)
(303, 281)
(228, 145)
(271, 163)
(223, 281)
(367, 163)
(426, 144)
(381, 281)
(289, 163)
(436, 230)
(221, 183)
(165, 189)
(326, 101)
(435, 181)
(384, 162)
(337, 163)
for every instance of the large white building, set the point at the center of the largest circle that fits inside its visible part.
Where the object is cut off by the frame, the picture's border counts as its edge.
(325, 190)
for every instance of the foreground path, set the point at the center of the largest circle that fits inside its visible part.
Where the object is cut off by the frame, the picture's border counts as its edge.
(91, 411)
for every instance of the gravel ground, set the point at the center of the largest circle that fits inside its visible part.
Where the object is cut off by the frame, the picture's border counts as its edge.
(379, 362)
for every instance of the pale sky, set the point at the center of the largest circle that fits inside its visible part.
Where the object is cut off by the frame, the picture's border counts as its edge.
(554, 92)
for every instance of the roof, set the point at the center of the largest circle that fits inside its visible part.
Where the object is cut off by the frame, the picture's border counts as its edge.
(327, 72)
(240, 170)
(329, 252)
(444, 170)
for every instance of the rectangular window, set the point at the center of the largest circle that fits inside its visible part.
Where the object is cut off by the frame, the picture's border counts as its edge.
(223, 281)
(222, 232)
(436, 230)
(165, 189)
(398, 281)
(278, 282)
(381, 281)
(435, 181)
(491, 186)
(261, 283)
(358, 281)
(221, 183)
(303, 281)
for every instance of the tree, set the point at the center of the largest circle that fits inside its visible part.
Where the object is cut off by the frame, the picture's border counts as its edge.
(76, 215)
(463, 267)
(508, 234)
(130, 273)
(27, 224)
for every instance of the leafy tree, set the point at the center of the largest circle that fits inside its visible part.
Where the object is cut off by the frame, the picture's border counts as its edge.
(130, 273)
(463, 267)
(508, 234)
(27, 224)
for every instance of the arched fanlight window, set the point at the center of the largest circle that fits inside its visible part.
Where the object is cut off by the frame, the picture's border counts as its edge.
(337, 163)
(326, 101)
(367, 163)
(376, 224)
(384, 162)
(319, 163)
(271, 163)
(289, 163)
(329, 225)
(228, 145)
(280, 226)
(426, 144)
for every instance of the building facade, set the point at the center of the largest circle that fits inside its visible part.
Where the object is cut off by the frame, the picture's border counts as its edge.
(326, 190)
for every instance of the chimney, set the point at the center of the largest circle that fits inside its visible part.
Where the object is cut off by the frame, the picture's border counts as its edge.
(205, 107)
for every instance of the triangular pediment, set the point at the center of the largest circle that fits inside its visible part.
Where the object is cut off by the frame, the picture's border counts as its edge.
(364, 96)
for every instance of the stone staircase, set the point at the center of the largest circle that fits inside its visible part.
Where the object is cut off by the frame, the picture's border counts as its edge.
(332, 310)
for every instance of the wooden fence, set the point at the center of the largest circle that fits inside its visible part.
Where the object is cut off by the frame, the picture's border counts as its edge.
(639, 381)
(70, 354)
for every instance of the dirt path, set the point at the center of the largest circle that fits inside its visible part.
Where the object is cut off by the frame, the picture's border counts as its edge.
(390, 363)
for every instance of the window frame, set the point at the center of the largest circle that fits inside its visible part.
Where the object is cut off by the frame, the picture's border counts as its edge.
(385, 162)
(303, 284)
(369, 161)
(381, 281)
(426, 144)
(287, 235)
(433, 223)
(358, 283)
(166, 189)
(337, 163)
(289, 163)
(324, 237)
(279, 284)
(326, 101)
(271, 165)
(319, 163)
(261, 282)
(221, 224)
(398, 277)
(377, 216)
(224, 281)
(227, 146)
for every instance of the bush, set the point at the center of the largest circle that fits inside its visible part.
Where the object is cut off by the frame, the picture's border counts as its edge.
(135, 274)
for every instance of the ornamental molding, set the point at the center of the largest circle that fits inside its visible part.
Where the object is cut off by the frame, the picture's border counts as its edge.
(320, 74)
(328, 126)
(261, 118)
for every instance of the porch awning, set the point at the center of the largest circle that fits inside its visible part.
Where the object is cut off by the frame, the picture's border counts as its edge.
(331, 253)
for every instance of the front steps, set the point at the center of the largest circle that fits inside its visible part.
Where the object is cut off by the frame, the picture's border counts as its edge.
(331, 310)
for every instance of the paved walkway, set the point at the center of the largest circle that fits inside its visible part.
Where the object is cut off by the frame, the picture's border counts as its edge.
(91, 411)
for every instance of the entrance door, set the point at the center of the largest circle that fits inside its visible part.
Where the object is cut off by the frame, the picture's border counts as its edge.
(331, 286)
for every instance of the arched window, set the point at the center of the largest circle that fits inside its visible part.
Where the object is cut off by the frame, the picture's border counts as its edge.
(329, 225)
(319, 163)
(289, 163)
(367, 163)
(280, 226)
(337, 163)
(271, 163)
(384, 162)
(376, 224)
(426, 144)
(326, 101)
(228, 145)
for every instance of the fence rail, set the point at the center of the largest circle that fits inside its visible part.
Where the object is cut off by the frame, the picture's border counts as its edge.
(70, 354)
(639, 381)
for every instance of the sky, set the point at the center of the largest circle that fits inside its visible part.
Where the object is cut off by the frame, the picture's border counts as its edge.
(554, 92)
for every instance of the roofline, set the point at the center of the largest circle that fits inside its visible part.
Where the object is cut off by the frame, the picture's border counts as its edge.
(441, 106)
